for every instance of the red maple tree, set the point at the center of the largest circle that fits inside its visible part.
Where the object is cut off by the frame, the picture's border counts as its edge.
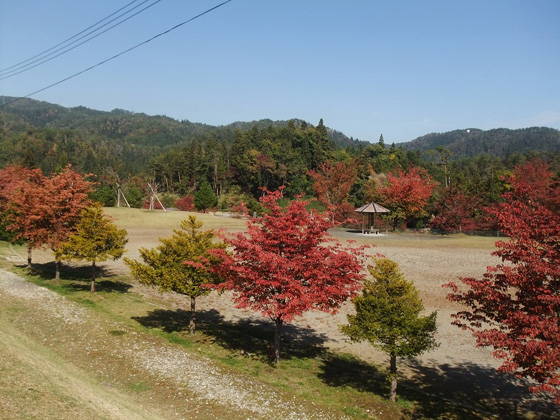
(453, 209)
(20, 199)
(332, 185)
(45, 211)
(515, 307)
(68, 192)
(288, 264)
(406, 193)
(185, 203)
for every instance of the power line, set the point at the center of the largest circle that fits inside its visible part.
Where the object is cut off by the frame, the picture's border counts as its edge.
(66, 40)
(118, 55)
(23, 68)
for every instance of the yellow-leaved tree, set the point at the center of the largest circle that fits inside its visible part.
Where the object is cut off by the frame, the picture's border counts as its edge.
(181, 263)
(96, 239)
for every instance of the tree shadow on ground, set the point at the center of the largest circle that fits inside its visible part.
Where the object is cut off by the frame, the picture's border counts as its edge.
(101, 285)
(177, 321)
(343, 370)
(481, 391)
(465, 392)
(78, 278)
(247, 336)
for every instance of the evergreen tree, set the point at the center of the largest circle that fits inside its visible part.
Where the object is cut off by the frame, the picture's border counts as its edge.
(180, 264)
(96, 239)
(388, 316)
(205, 198)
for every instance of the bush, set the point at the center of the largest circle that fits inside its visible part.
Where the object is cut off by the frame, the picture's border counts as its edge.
(185, 203)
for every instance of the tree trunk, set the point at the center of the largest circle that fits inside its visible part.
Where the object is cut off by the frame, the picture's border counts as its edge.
(92, 290)
(57, 268)
(393, 376)
(29, 251)
(192, 318)
(277, 336)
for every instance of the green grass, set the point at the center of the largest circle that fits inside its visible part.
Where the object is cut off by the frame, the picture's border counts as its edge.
(309, 372)
(139, 387)
(338, 382)
(239, 348)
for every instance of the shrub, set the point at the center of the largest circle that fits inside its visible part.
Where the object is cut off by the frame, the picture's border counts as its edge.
(185, 203)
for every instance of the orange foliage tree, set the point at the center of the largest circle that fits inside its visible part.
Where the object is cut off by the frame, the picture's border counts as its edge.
(332, 185)
(44, 211)
(406, 193)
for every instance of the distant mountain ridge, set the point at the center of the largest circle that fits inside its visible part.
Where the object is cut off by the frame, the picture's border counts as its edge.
(161, 131)
(496, 142)
(139, 128)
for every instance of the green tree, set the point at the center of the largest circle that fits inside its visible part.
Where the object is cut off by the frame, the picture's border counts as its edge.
(180, 264)
(105, 195)
(134, 195)
(388, 316)
(96, 239)
(205, 198)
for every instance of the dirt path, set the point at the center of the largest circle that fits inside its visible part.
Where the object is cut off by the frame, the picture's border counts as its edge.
(70, 363)
(42, 379)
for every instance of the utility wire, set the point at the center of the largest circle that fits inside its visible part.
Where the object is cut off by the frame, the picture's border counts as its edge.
(117, 55)
(66, 40)
(65, 49)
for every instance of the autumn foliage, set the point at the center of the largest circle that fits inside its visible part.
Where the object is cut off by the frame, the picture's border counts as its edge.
(454, 210)
(185, 203)
(406, 193)
(515, 307)
(43, 210)
(332, 185)
(287, 265)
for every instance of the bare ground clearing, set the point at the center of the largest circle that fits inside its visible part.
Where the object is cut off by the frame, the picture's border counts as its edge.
(457, 369)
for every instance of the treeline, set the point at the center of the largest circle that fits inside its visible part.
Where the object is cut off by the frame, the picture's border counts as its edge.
(128, 151)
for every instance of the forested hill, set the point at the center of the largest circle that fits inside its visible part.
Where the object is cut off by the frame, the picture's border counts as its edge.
(499, 142)
(128, 127)
(238, 159)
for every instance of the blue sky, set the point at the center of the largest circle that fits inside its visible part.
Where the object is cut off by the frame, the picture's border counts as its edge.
(400, 68)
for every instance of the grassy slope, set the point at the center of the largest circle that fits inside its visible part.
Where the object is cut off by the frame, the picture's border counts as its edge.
(336, 383)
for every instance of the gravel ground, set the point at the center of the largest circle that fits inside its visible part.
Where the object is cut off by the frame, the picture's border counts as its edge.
(198, 380)
(455, 365)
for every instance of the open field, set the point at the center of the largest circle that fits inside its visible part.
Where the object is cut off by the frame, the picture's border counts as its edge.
(454, 381)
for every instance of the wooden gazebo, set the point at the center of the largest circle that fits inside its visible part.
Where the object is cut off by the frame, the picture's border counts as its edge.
(371, 209)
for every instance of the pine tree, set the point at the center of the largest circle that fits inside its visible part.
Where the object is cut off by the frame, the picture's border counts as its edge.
(96, 239)
(388, 316)
(180, 264)
(205, 198)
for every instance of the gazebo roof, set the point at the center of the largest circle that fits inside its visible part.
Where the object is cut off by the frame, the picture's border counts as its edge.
(372, 208)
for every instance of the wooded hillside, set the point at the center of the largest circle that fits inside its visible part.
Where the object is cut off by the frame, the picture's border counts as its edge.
(499, 142)
(237, 160)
